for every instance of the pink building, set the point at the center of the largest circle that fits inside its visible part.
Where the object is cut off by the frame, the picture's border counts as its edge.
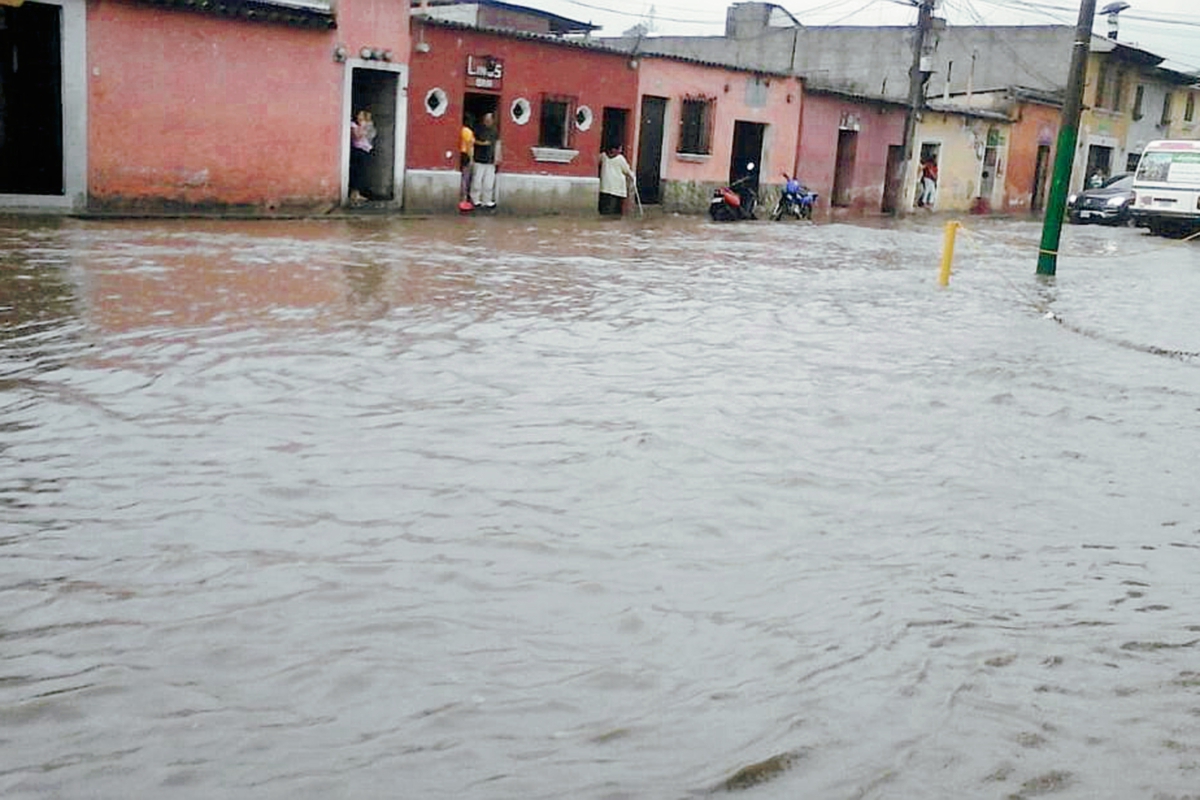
(702, 126)
(164, 106)
(851, 152)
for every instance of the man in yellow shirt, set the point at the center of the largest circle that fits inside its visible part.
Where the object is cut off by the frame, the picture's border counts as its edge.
(466, 156)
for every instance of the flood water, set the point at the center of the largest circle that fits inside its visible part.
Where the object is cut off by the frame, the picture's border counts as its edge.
(554, 508)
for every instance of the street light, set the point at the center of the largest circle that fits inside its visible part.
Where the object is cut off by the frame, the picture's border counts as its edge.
(1111, 11)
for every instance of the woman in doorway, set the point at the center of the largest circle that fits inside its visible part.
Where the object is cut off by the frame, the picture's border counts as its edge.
(616, 177)
(929, 176)
(362, 142)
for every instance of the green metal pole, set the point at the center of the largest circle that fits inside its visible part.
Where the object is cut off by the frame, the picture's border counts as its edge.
(1068, 135)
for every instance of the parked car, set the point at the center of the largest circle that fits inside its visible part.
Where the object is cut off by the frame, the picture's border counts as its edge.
(1109, 203)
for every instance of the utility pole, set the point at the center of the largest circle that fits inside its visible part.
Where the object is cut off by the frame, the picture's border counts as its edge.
(1068, 135)
(916, 86)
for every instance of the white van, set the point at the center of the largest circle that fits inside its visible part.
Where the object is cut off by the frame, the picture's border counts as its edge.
(1166, 187)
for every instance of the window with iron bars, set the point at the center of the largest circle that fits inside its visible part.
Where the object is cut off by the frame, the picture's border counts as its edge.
(695, 125)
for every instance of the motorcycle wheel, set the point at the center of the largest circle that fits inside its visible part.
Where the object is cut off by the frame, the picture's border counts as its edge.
(777, 214)
(805, 212)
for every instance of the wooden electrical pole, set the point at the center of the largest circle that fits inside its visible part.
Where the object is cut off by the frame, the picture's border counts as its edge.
(1068, 135)
(916, 88)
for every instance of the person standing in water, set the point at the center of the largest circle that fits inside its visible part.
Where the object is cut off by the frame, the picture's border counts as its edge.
(616, 176)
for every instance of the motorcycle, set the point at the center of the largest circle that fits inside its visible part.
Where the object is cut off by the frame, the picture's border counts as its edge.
(736, 201)
(795, 201)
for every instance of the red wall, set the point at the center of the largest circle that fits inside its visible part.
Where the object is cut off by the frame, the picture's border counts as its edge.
(531, 68)
(816, 160)
(192, 110)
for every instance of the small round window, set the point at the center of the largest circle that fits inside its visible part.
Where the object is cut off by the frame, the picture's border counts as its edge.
(583, 118)
(519, 111)
(436, 102)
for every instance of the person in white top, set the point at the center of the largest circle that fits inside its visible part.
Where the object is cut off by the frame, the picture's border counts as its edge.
(616, 177)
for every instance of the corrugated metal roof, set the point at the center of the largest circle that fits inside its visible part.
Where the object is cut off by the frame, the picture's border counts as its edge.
(587, 44)
(303, 13)
(559, 24)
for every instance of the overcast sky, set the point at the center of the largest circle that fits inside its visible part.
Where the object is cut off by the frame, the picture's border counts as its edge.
(1169, 28)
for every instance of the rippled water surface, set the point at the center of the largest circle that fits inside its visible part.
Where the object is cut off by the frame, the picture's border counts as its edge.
(496, 508)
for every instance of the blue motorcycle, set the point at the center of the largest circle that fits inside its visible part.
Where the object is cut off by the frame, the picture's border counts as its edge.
(795, 201)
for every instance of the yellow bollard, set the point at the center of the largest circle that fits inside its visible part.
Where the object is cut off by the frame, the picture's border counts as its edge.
(948, 252)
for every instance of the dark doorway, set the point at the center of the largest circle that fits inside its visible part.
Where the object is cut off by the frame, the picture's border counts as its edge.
(475, 105)
(31, 124)
(894, 180)
(746, 159)
(650, 148)
(375, 90)
(843, 174)
(614, 128)
(1099, 160)
(1041, 171)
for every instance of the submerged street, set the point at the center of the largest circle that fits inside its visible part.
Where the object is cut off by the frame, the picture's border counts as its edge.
(484, 508)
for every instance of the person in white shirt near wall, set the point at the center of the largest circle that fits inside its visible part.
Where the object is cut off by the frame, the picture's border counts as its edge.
(616, 177)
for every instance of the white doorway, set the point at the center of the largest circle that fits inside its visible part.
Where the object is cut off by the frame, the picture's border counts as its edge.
(382, 89)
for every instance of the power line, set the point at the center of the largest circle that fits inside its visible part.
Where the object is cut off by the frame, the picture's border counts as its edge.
(642, 14)
(856, 12)
(1016, 56)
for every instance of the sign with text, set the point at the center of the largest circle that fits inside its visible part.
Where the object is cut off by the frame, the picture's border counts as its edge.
(484, 72)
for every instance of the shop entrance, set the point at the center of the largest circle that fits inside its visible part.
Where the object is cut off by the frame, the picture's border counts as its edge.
(476, 104)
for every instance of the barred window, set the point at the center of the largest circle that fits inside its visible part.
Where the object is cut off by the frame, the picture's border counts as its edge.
(695, 125)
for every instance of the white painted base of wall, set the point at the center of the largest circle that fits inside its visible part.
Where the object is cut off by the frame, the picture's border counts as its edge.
(437, 191)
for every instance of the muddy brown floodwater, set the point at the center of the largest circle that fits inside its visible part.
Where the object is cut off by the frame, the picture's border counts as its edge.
(654, 508)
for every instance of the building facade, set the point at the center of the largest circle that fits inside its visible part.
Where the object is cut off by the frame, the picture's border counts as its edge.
(970, 148)
(555, 103)
(702, 126)
(166, 107)
(850, 151)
